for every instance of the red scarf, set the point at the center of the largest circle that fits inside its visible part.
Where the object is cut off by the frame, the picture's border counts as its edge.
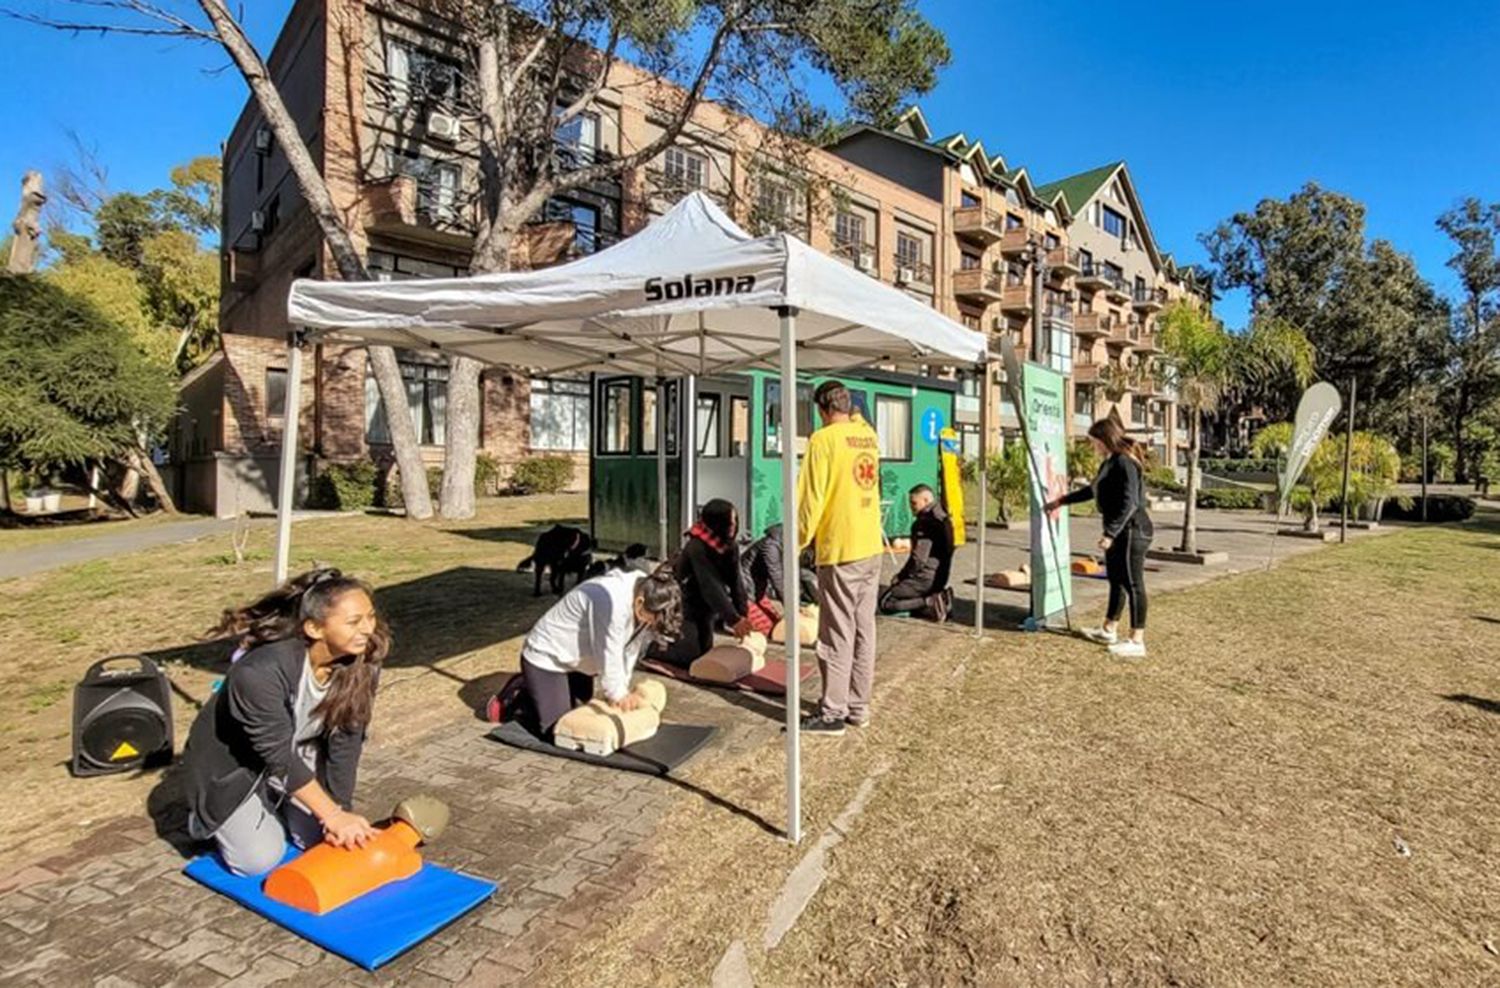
(703, 534)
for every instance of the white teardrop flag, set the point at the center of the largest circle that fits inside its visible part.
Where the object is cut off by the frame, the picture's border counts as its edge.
(1315, 413)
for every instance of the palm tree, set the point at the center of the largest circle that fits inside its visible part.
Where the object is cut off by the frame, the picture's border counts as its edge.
(1204, 360)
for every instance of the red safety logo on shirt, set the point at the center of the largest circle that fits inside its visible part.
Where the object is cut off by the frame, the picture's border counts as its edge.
(864, 471)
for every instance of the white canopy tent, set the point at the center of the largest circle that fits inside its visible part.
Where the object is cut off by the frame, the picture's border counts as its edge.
(692, 294)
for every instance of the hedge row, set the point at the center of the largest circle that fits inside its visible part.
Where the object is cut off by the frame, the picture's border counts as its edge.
(356, 486)
(1243, 465)
(1440, 507)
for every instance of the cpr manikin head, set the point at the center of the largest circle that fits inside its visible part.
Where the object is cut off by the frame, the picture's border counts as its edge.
(920, 498)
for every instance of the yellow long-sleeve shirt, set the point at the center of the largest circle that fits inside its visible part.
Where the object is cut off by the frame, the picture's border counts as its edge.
(838, 493)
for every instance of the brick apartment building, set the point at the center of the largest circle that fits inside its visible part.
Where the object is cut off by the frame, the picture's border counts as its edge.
(369, 81)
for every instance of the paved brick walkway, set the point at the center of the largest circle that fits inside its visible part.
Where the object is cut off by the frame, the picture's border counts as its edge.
(563, 838)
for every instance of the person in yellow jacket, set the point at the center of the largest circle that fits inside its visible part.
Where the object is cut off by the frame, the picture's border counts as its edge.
(838, 509)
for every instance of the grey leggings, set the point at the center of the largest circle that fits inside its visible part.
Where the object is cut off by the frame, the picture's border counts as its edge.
(253, 839)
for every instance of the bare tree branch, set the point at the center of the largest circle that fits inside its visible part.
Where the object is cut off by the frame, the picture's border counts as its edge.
(592, 90)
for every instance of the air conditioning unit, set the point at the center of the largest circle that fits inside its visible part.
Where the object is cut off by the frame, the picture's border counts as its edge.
(998, 324)
(257, 221)
(905, 276)
(865, 261)
(443, 127)
(1125, 246)
(262, 140)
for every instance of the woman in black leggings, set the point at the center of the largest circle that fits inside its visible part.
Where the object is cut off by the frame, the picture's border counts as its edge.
(1119, 489)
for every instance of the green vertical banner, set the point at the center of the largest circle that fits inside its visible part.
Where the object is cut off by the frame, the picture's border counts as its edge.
(1044, 411)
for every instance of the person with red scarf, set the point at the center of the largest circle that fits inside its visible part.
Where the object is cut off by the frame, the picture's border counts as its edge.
(708, 568)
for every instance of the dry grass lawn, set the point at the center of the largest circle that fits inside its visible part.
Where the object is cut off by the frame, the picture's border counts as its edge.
(1238, 810)
(457, 606)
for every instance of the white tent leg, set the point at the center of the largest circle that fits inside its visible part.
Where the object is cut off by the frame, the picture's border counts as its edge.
(791, 576)
(688, 447)
(984, 452)
(661, 468)
(287, 482)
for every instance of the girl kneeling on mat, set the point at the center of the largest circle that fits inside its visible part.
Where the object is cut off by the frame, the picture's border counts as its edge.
(1119, 489)
(599, 628)
(273, 754)
(708, 570)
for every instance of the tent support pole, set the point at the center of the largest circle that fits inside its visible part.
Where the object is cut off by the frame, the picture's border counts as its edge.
(688, 446)
(287, 482)
(661, 465)
(984, 454)
(791, 577)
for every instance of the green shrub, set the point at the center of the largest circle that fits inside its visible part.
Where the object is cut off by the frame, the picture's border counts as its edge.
(542, 475)
(486, 474)
(396, 501)
(344, 487)
(1083, 461)
(1440, 507)
(1230, 498)
(1251, 464)
(1164, 479)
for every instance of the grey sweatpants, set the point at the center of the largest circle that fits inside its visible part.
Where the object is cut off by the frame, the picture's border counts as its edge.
(847, 595)
(253, 839)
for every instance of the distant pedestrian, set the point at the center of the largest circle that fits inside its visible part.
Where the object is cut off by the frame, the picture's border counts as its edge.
(1119, 489)
(838, 506)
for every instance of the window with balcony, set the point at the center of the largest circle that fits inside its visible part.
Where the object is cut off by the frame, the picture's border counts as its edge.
(1012, 196)
(559, 414)
(437, 181)
(685, 169)
(585, 219)
(1086, 260)
(426, 402)
(420, 78)
(1113, 223)
(968, 262)
(1115, 272)
(968, 200)
(386, 266)
(1083, 400)
(1051, 241)
(578, 140)
(1014, 222)
(850, 231)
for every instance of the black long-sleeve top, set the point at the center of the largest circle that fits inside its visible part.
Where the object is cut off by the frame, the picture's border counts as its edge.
(931, 549)
(247, 731)
(761, 568)
(711, 581)
(1119, 488)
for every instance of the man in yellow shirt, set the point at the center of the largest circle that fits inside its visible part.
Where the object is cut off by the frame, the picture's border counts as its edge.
(838, 508)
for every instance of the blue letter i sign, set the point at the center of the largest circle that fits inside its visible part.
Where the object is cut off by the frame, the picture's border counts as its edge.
(932, 426)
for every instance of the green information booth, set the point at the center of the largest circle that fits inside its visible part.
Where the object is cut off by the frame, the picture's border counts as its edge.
(738, 449)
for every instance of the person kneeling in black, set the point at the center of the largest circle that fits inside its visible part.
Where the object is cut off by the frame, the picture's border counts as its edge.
(922, 584)
(708, 568)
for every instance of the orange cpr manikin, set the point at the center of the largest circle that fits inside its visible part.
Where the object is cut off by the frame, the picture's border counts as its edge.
(326, 877)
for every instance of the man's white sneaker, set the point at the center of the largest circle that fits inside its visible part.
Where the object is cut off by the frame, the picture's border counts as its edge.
(1128, 649)
(1101, 635)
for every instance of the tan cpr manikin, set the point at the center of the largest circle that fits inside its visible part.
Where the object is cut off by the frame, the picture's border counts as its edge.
(807, 627)
(600, 729)
(728, 663)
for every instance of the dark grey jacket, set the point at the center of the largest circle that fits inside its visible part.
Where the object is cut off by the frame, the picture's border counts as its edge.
(245, 734)
(1119, 489)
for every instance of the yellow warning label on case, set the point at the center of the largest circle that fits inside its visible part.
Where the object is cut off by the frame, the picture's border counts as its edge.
(125, 750)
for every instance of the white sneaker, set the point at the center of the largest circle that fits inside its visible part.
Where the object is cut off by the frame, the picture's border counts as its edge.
(1128, 649)
(1101, 635)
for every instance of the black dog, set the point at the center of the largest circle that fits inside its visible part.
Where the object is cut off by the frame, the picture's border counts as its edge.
(633, 557)
(561, 550)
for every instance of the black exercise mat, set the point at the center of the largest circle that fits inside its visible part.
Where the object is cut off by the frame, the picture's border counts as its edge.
(668, 748)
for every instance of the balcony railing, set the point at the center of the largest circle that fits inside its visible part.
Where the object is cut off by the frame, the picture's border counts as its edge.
(1056, 312)
(1148, 342)
(1085, 373)
(417, 206)
(912, 272)
(1094, 324)
(1015, 242)
(857, 253)
(977, 284)
(1017, 298)
(978, 224)
(1119, 333)
(1115, 286)
(568, 156)
(1149, 299)
(1064, 262)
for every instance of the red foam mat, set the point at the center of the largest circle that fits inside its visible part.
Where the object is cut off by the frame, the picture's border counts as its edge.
(771, 680)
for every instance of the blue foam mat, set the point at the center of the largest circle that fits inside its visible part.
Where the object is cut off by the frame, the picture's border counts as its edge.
(373, 929)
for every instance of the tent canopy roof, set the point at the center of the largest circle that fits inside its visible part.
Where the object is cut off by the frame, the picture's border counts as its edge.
(692, 293)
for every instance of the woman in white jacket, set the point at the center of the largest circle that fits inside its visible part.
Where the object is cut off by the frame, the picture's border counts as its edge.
(598, 629)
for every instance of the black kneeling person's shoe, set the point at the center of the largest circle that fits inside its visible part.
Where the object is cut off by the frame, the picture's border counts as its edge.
(818, 724)
(938, 606)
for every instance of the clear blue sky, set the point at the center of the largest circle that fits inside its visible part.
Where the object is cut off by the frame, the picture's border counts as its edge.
(1214, 105)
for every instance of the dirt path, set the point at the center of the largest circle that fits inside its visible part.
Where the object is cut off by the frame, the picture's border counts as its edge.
(1297, 788)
